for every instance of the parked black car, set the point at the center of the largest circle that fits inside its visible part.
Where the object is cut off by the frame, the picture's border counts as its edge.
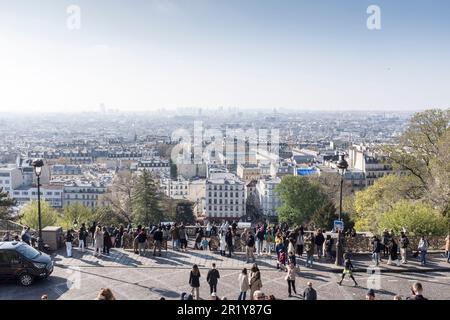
(20, 261)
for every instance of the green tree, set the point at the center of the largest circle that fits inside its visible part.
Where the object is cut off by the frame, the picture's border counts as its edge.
(146, 200)
(301, 198)
(422, 150)
(6, 204)
(29, 215)
(184, 213)
(75, 213)
(416, 217)
(108, 216)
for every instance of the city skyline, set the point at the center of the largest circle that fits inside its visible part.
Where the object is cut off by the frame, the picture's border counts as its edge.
(165, 54)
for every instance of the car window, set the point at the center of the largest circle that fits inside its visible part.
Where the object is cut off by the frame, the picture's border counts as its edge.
(28, 251)
(8, 257)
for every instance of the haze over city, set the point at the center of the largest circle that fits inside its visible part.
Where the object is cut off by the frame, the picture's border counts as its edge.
(168, 54)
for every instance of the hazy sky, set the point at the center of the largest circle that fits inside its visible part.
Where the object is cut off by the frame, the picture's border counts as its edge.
(144, 55)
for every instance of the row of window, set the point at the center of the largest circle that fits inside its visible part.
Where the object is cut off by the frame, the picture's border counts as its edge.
(215, 187)
(224, 208)
(94, 196)
(5, 181)
(225, 194)
(226, 202)
(34, 193)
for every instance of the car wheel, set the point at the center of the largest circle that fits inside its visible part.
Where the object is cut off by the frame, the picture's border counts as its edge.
(25, 279)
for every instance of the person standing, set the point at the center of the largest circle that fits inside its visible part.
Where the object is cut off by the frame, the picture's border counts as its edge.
(290, 278)
(259, 240)
(183, 238)
(142, 241)
(250, 247)
(394, 253)
(417, 292)
(404, 242)
(107, 243)
(222, 243)
(319, 239)
(194, 281)
(385, 243)
(329, 242)
(376, 248)
(69, 240)
(447, 247)
(174, 233)
(135, 239)
(212, 278)
(208, 229)
(268, 238)
(348, 270)
(255, 282)
(279, 244)
(25, 236)
(423, 248)
(229, 241)
(309, 293)
(92, 230)
(309, 247)
(158, 239)
(98, 240)
(82, 236)
(243, 284)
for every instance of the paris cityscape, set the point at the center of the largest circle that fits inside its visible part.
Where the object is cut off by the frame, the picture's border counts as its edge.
(226, 163)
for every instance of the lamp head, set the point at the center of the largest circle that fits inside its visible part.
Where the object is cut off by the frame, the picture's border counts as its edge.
(38, 164)
(342, 165)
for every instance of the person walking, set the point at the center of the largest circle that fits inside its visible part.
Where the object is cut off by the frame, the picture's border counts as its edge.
(319, 239)
(309, 293)
(309, 247)
(243, 284)
(107, 243)
(229, 241)
(194, 281)
(348, 270)
(404, 243)
(376, 248)
(158, 239)
(98, 240)
(212, 278)
(82, 237)
(69, 240)
(447, 247)
(250, 247)
(423, 248)
(290, 278)
(255, 282)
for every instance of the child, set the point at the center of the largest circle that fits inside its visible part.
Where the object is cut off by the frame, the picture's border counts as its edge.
(281, 260)
(205, 244)
(291, 258)
(348, 269)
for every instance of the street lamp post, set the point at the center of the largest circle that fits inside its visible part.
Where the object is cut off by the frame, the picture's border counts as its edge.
(342, 166)
(38, 164)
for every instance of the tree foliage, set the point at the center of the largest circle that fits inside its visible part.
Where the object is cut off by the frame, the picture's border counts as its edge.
(75, 214)
(29, 215)
(119, 197)
(301, 198)
(416, 217)
(146, 200)
(6, 204)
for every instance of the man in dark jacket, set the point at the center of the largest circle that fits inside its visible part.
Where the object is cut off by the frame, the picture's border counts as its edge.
(250, 246)
(82, 236)
(376, 248)
(309, 293)
(212, 278)
(92, 231)
(229, 241)
(158, 238)
(319, 240)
